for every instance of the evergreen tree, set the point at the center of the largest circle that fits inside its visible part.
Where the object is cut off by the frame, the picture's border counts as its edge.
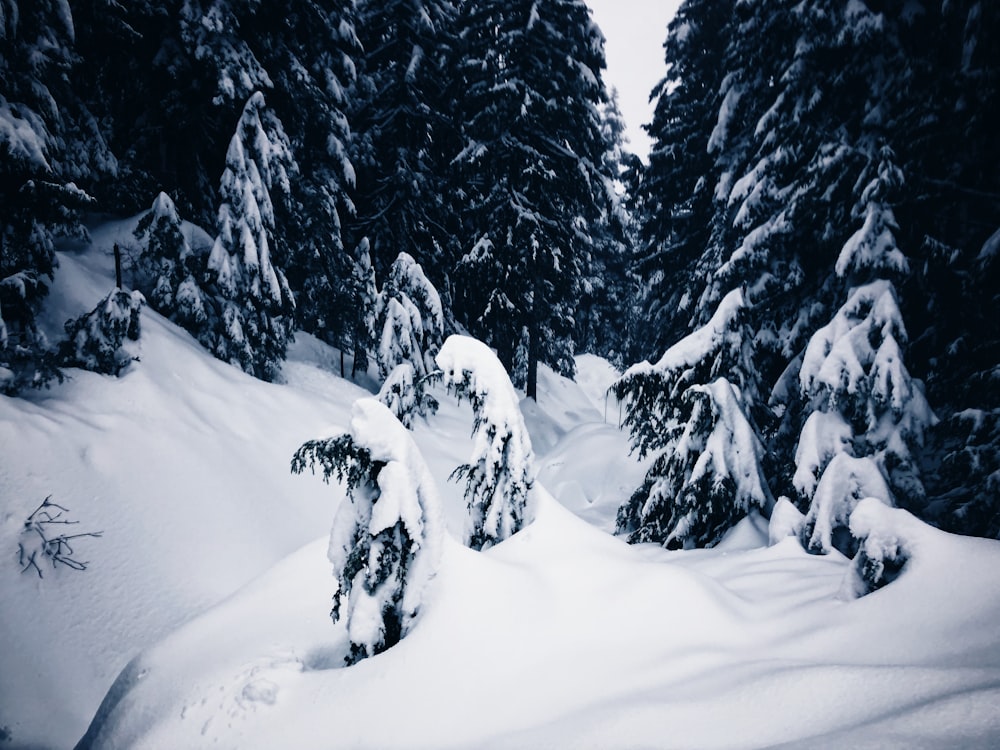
(708, 474)
(532, 172)
(707, 479)
(676, 188)
(98, 340)
(309, 49)
(410, 318)
(253, 325)
(385, 545)
(405, 132)
(167, 271)
(864, 404)
(500, 472)
(38, 199)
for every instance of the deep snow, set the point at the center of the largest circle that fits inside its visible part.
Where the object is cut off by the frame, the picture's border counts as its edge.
(212, 573)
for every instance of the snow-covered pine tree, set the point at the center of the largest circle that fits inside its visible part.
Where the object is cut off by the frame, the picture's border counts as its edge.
(706, 481)
(677, 186)
(410, 322)
(365, 301)
(405, 133)
(532, 172)
(864, 405)
(387, 536)
(38, 200)
(500, 471)
(310, 50)
(167, 270)
(98, 340)
(253, 326)
(405, 395)
(418, 339)
(708, 473)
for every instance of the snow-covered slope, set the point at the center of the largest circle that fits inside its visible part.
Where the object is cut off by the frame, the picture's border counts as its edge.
(212, 573)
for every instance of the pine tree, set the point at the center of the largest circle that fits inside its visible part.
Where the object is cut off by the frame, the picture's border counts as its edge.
(385, 545)
(38, 200)
(706, 481)
(311, 52)
(708, 473)
(676, 189)
(500, 473)
(410, 318)
(98, 340)
(865, 405)
(253, 325)
(532, 172)
(405, 133)
(167, 272)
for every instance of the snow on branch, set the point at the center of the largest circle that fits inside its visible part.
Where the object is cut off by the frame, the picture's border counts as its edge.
(652, 393)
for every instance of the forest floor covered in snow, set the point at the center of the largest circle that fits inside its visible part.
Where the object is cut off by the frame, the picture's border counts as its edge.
(202, 617)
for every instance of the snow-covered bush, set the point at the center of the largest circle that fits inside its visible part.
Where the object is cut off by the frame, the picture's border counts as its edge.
(405, 396)
(786, 520)
(500, 471)
(705, 482)
(166, 271)
(884, 547)
(863, 406)
(98, 340)
(386, 541)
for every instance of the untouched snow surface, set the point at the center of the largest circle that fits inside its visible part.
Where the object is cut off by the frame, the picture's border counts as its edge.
(211, 577)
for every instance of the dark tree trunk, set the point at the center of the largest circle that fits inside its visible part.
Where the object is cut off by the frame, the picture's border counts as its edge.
(531, 389)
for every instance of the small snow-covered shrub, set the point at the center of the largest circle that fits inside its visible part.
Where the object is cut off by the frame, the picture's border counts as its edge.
(406, 396)
(786, 520)
(385, 545)
(883, 551)
(500, 471)
(97, 341)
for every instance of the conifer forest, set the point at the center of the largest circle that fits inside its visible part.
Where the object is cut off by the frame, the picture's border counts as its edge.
(798, 288)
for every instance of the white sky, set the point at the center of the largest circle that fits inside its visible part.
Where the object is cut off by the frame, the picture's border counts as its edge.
(635, 31)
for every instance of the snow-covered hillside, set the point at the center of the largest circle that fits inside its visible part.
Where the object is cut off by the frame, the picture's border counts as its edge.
(209, 589)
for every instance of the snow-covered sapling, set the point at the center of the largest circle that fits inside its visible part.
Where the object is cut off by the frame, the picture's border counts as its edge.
(500, 471)
(410, 322)
(387, 536)
(256, 302)
(98, 340)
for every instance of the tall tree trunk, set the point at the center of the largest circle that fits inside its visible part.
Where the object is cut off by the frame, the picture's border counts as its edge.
(531, 389)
